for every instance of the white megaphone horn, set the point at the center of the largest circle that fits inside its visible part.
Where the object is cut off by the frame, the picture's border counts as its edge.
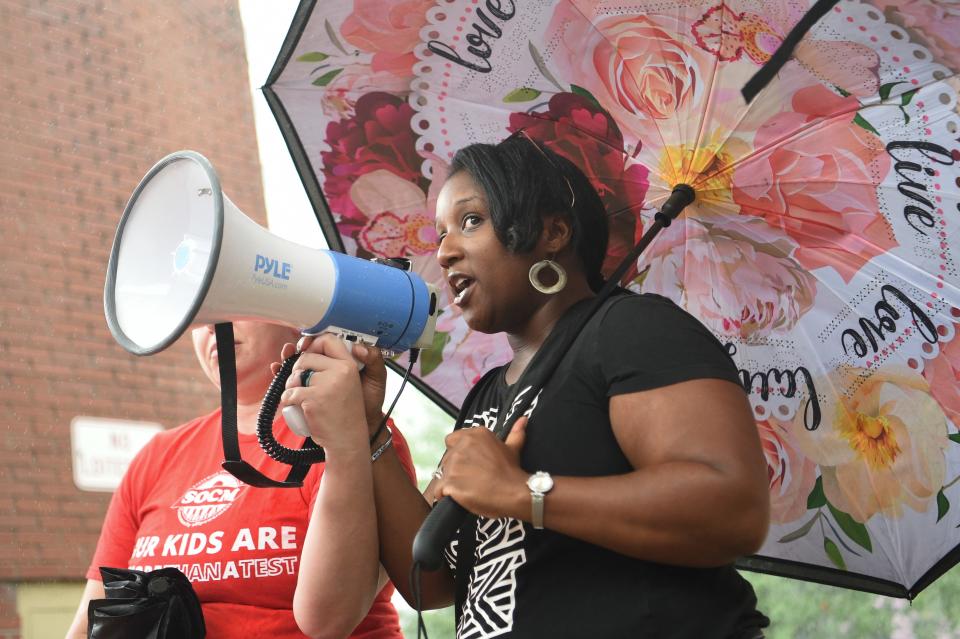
(185, 255)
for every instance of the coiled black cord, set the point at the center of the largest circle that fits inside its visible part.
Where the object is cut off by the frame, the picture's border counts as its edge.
(310, 453)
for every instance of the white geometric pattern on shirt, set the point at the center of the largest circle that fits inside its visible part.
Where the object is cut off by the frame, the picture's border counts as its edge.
(491, 593)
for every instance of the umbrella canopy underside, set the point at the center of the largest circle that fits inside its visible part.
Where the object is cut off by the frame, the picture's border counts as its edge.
(821, 249)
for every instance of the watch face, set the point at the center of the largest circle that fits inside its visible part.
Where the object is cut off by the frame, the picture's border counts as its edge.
(540, 482)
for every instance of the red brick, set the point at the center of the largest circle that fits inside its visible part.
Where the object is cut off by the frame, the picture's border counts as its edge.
(94, 94)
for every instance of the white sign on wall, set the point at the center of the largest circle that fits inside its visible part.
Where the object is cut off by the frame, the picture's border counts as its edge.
(103, 448)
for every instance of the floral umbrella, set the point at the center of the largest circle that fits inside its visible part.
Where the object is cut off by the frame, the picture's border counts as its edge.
(822, 248)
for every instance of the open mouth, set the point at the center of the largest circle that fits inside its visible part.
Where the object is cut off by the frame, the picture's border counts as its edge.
(461, 285)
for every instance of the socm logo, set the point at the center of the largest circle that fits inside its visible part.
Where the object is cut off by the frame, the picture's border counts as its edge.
(208, 499)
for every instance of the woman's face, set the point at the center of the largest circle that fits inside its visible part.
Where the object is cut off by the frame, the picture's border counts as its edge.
(258, 345)
(488, 282)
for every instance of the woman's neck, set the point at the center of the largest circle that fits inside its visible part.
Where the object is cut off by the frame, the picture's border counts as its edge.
(526, 342)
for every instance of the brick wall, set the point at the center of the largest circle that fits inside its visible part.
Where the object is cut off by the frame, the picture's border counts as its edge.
(92, 94)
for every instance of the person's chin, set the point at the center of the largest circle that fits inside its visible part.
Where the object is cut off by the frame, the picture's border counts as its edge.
(478, 321)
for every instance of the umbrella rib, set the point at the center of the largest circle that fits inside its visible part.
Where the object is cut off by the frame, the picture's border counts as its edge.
(709, 96)
(616, 51)
(812, 126)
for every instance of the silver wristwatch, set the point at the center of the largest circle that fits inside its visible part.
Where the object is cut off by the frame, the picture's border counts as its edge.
(539, 484)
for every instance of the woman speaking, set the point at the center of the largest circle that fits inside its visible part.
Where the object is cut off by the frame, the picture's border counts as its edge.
(619, 502)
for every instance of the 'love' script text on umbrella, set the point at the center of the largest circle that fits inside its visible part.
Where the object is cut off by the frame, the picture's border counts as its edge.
(478, 45)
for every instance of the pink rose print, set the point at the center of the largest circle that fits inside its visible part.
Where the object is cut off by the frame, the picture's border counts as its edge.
(646, 68)
(943, 375)
(579, 130)
(736, 276)
(637, 68)
(791, 474)
(821, 194)
(356, 79)
(378, 136)
(388, 30)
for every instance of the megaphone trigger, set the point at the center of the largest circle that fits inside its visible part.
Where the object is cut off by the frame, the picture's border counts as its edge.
(350, 339)
(296, 420)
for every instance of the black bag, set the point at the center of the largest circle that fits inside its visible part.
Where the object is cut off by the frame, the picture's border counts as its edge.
(160, 604)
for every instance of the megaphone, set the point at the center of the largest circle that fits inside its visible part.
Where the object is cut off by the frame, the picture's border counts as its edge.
(184, 255)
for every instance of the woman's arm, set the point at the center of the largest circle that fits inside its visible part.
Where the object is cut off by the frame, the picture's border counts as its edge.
(698, 496)
(339, 575)
(401, 510)
(93, 590)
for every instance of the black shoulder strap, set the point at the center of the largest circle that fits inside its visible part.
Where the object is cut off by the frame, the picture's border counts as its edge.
(467, 406)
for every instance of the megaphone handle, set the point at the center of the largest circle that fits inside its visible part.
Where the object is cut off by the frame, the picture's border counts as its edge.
(293, 415)
(296, 420)
(435, 531)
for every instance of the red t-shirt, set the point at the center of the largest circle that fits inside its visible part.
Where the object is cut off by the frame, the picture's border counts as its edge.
(239, 545)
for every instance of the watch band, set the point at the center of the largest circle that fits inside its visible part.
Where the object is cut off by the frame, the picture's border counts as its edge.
(539, 483)
(536, 516)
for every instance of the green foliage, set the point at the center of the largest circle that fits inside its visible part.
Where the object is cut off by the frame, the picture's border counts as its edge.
(817, 497)
(313, 56)
(853, 528)
(326, 78)
(433, 356)
(424, 426)
(801, 531)
(583, 93)
(802, 610)
(943, 505)
(908, 96)
(833, 553)
(523, 94)
(887, 88)
(861, 122)
(439, 623)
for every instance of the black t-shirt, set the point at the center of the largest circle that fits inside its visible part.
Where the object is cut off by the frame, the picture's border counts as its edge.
(535, 584)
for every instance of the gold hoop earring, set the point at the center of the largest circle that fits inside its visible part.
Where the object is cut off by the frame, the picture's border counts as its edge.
(556, 268)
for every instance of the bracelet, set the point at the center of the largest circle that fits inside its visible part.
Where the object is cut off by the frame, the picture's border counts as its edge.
(382, 448)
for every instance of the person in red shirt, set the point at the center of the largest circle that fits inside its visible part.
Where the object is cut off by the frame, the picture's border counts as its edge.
(241, 546)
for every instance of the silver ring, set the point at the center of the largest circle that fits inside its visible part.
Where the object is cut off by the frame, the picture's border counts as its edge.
(438, 473)
(305, 376)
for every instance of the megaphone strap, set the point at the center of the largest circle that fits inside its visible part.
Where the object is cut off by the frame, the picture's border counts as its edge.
(233, 462)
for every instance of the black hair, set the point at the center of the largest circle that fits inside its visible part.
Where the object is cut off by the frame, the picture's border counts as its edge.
(523, 181)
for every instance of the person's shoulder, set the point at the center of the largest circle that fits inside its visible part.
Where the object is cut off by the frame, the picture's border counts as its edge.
(656, 321)
(189, 431)
(636, 308)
